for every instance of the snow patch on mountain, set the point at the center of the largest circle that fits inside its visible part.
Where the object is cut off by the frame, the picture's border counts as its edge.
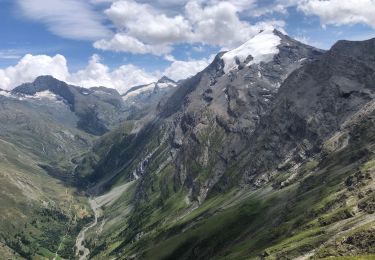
(145, 88)
(165, 85)
(260, 48)
(39, 96)
(164, 82)
(45, 95)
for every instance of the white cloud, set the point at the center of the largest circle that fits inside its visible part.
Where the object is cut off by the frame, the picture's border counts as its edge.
(147, 24)
(72, 19)
(270, 9)
(122, 42)
(338, 12)
(95, 74)
(29, 67)
(330, 12)
(240, 5)
(143, 29)
(218, 24)
(9, 55)
(146, 28)
(101, 1)
(183, 69)
(121, 79)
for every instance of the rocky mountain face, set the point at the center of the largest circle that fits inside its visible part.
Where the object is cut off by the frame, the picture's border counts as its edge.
(144, 101)
(97, 109)
(260, 144)
(268, 153)
(313, 103)
(207, 119)
(44, 127)
(225, 106)
(153, 87)
(38, 138)
(59, 116)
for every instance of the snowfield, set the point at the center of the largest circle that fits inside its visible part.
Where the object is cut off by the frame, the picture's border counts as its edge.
(262, 48)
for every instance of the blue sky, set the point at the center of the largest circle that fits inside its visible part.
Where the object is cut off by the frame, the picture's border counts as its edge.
(120, 43)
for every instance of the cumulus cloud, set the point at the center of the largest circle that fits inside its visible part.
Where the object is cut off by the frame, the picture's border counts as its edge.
(218, 24)
(183, 69)
(148, 28)
(95, 73)
(338, 12)
(143, 29)
(145, 23)
(72, 19)
(121, 78)
(145, 26)
(240, 5)
(330, 12)
(29, 67)
(122, 42)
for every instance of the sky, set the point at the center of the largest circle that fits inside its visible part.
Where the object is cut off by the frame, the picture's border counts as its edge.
(123, 43)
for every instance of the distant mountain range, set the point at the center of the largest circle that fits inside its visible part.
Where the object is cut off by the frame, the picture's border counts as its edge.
(268, 153)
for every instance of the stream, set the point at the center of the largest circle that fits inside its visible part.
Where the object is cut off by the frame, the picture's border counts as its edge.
(96, 203)
(81, 236)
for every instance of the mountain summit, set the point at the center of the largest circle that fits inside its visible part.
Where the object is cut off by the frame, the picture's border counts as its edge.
(252, 144)
(261, 48)
(268, 153)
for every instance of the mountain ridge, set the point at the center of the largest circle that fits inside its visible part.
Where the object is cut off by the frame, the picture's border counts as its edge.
(200, 153)
(163, 82)
(270, 159)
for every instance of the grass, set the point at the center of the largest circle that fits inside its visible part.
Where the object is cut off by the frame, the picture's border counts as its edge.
(35, 207)
(223, 226)
(368, 165)
(357, 257)
(316, 210)
(284, 223)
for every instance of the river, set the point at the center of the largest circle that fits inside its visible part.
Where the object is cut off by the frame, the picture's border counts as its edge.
(81, 236)
(96, 203)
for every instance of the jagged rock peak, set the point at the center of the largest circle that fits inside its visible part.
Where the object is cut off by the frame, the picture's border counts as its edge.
(165, 82)
(41, 83)
(46, 79)
(165, 79)
(361, 50)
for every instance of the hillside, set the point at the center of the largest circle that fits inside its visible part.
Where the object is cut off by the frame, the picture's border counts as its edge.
(268, 153)
(44, 126)
(269, 156)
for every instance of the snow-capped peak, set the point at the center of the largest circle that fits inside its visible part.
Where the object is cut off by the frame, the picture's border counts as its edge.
(262, 48)
(138, 90)
(164, 82)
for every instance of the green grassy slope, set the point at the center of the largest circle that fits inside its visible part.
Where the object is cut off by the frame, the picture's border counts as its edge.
(39, 214)
(324, 208)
